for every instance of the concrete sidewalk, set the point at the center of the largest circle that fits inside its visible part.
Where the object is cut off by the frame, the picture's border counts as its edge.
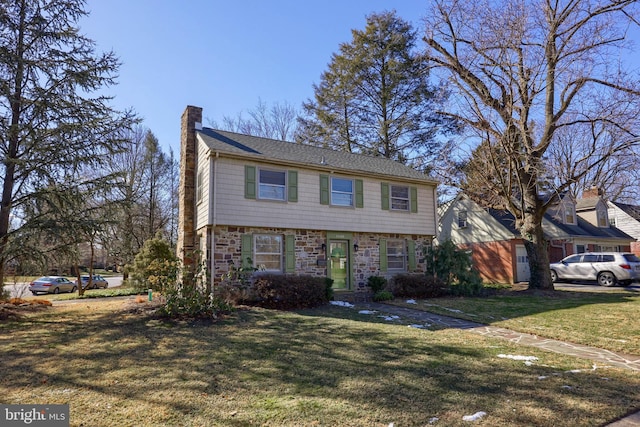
(601, 356)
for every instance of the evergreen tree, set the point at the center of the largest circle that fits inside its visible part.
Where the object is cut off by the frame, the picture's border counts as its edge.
(376, 97)
(51, 120)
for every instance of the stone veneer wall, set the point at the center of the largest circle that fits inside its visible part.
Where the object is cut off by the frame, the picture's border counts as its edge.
(227, 242)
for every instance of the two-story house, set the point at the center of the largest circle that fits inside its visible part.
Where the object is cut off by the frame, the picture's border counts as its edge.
(498, 250)
(299, 209)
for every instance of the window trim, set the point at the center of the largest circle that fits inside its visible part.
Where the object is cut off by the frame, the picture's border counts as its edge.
(199, 186)
(285, 186)
(392, 198)
(280, 252)
(403, 256)
(352, 193)
(463, 222)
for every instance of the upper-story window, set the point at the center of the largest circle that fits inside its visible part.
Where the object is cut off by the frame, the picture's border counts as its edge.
(272, 184)
(199, 185)
(341, 191)
(602, 218)
(569, 215)
(399, 198)
(462, 219)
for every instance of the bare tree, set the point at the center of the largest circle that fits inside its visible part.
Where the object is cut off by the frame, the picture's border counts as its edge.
(526, 72)
(276, 122)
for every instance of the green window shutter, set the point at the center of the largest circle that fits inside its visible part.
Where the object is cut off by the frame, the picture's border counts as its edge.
(247, 250)
(359, 194)
(249, 182)
(413, 191)
(290, 253)
(384, 187)
(324, 189)
(383, 254)
(411, 249)
(293, 186)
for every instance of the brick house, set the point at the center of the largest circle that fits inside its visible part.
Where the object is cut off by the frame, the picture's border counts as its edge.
(498, 249)
(299, 209)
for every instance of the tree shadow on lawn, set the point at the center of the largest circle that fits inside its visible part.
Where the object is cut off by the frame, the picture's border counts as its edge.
(259, 361)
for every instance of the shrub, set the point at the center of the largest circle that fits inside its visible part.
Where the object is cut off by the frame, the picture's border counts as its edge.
(376, 283)
(417, 286)
(455, 268)
(154, 267)
(192, 302)
(289, 292)
(382, 296)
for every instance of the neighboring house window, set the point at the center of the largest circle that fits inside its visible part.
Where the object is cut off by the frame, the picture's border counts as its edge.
(341, 192)
(569, 215)
(272, 185)
(199, 182)
(267, 252)
(602, 218)
(580, 249)
(396, 255)
(399, 198)
(462, 219)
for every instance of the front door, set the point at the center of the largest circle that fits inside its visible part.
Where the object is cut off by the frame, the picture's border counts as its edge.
(339, 263)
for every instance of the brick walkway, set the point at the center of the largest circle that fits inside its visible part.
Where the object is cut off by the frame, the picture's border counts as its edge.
(604, 357)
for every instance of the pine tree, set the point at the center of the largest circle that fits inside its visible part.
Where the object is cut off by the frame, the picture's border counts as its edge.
(52, 121)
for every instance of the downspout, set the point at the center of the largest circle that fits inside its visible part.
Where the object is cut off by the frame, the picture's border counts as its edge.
(213, 215)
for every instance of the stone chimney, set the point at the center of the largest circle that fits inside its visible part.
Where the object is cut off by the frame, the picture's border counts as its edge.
(191, 120)
(592, 192)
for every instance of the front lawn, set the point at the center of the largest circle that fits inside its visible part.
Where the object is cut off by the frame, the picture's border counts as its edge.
(606, 320)
(117, 365)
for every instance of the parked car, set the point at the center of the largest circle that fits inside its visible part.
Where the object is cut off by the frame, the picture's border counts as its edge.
(52, 285)
(96, 282)
(607, 268)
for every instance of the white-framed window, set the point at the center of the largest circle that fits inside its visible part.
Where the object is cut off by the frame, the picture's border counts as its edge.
(397, 255)
(462, 219)
(199, 185)
(400, 198)
(602, 218)
(272, 184)
(569, 215)
(342, 193)
(267, 252)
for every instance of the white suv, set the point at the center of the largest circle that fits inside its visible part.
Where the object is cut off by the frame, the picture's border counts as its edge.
(608, 268)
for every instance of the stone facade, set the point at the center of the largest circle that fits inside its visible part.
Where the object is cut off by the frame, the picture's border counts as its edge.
(310, 255)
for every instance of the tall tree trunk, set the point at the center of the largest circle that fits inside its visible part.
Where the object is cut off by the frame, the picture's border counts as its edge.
(538, 252)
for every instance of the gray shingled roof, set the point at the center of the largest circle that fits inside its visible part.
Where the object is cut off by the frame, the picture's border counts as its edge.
(582, 229)
(316, 157)
(587, 203)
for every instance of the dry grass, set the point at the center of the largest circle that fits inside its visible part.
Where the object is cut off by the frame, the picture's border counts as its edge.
(605, 319)
(117, 365)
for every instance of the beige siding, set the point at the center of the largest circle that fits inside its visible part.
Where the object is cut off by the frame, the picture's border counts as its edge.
(481, 227)
(203, 165)
(231, 208)
(624, 222)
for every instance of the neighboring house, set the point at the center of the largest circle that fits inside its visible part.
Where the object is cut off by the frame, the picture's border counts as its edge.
(626, 218)
(498, 250)
(299, 209)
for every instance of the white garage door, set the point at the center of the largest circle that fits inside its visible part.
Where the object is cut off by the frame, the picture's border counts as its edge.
(522, 264)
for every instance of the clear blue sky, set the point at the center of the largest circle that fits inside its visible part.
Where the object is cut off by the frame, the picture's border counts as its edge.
(224, 56)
